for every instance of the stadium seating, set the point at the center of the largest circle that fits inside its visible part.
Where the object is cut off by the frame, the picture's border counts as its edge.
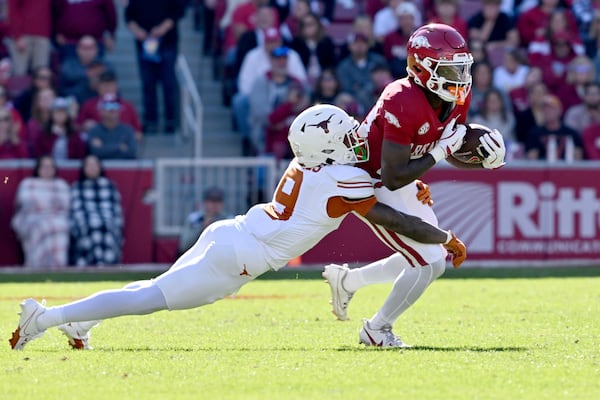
(468, 8)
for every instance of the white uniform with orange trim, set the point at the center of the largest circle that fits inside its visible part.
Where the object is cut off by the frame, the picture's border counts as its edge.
(307, 205)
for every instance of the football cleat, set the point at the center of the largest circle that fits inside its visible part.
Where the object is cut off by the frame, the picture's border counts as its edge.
(380, 337)
(78, 333)
(27, 329)
(340, 297)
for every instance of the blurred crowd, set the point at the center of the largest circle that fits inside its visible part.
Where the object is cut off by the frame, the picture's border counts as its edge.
(60, 96)
(535, 79)
(535, 76)
(535, 60)
(59, 224)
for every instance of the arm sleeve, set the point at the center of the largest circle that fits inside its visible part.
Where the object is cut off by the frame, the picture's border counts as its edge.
(338, 206)
(354, 192)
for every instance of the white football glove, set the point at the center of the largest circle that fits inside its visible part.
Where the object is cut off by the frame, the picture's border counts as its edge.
(493, 143)
(451, 141)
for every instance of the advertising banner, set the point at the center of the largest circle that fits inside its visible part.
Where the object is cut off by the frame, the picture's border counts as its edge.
(523, 214)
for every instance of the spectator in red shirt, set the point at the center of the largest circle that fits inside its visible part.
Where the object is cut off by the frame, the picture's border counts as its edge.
(40, 115)
(59, 136)
(30, 25)
(280, 120)
(532, 23)
(373, 6)
(555, 61)
(11, 145)
(591, 142)
(580, 72)
(394, 43)
(73, 20)
(558, 23)
(242, 20)
(446, 12)
(89, 115)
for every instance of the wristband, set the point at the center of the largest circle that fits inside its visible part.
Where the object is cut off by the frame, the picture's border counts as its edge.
(438, 153)
(449, 238)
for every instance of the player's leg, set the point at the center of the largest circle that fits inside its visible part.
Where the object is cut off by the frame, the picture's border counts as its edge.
(409, 253)
(380, 271)
(83, 314)
(230, 259)
(78, 333)
(345, 282)
(144, 299)
(213, 273)
(407, 289)
(136, 298)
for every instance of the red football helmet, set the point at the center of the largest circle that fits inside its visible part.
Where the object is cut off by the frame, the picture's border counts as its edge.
(439, 60)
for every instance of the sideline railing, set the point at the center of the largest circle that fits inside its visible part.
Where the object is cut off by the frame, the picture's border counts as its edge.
(180, 183)
(192, 109)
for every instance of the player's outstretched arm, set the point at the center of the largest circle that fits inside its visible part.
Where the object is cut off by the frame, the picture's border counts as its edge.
(418, 229)
(407, 225)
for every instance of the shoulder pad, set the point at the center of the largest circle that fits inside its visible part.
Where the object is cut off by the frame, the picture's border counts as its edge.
(348, 173)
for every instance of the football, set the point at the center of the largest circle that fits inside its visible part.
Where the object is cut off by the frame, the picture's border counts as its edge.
(471, 151)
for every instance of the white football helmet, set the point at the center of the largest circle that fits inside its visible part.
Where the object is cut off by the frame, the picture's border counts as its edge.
(325, 134)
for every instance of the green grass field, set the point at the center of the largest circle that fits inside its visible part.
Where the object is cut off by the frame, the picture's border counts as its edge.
(485, 334)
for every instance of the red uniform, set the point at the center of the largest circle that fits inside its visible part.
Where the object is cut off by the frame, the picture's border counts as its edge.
(403, 115)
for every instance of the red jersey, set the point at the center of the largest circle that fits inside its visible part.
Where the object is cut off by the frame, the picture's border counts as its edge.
(403, 115)
(129, 115)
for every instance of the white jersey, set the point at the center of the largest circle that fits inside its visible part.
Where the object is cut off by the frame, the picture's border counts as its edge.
(308, 204)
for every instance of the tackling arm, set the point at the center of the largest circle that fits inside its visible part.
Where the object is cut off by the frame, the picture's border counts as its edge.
(407, 225)
(417, 229)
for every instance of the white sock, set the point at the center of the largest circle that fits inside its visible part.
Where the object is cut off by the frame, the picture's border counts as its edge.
(381, 271)
(144, 298)
(407, 289)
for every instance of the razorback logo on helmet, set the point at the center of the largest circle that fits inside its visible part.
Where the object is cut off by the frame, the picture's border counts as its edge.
(424, 128)
(392, 119)
(420, 41)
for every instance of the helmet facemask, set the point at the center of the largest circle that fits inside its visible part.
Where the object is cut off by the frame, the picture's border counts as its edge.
(357, 147)
(450, 79)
